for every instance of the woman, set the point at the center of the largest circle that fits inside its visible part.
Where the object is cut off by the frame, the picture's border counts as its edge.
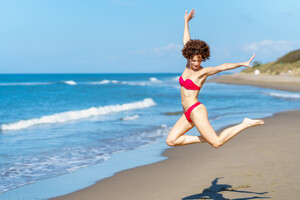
(191, 81)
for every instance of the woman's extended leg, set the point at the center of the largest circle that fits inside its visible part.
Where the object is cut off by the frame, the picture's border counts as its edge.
(200, 119)
(176, 136)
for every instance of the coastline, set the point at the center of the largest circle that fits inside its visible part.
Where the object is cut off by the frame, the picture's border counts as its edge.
(239, 169)
(259, 162)
(280, 82)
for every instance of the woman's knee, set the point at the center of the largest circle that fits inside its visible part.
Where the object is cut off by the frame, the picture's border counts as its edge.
(170, 142)
(173, 142)
(216, 144)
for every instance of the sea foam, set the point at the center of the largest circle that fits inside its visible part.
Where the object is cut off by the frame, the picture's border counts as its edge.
(69, 159)
(283, 95)
(175, 78)
(103, 82)
(129, 118)
(153, 79)
(71, 82)
(78, 114)
(25, 83)
(134, 83)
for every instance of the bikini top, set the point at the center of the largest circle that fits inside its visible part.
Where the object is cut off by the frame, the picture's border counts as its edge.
(188, 84)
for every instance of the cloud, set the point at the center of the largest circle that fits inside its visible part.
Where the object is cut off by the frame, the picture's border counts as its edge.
(167, 48)
(269, 47)
(161, 50)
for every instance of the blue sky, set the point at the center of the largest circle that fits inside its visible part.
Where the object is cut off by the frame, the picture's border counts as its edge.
(128, 36)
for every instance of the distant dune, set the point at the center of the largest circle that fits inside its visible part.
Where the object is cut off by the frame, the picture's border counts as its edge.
(288, 64)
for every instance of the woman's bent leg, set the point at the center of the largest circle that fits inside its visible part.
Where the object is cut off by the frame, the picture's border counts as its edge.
(200, 119)
(176, 136)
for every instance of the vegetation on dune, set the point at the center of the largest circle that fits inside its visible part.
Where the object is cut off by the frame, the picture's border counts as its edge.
(288, 64)
(290, 57)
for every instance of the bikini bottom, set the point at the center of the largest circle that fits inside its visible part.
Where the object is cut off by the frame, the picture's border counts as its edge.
(188, 112)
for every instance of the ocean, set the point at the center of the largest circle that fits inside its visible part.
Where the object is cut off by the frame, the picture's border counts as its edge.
(86, 127)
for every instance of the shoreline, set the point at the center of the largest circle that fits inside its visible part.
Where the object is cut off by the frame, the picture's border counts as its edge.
(239, 169)
(42, 187)
(226, 169)
(279, 82)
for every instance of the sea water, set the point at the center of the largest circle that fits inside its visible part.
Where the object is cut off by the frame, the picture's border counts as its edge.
(84, 127)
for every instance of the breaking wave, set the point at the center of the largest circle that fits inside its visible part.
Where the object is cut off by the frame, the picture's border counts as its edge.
(283, 95)
(77, 114)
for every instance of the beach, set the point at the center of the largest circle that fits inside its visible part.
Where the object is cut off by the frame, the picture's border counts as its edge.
(261, 162)
(280, 82)
(90, 91)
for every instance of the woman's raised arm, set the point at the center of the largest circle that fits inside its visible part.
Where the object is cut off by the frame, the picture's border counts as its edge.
(186, 33)
(227, 66)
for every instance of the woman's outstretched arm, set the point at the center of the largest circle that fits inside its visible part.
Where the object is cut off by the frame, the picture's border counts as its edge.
(186, 33)
(227, 66)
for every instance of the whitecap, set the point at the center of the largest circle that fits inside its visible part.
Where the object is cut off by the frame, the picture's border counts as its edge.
(129, 118)
(153, 79)
(163, 126)
(283, 95)
(71, 82)
(175, 78)
(135, 83)
(103, 82)
(78, 114)
(25, 83)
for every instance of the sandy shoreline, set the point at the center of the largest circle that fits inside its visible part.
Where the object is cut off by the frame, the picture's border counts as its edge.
(286, 83)
(261, 162)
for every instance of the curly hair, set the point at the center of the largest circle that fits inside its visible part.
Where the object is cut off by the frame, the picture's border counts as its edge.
(196, 47)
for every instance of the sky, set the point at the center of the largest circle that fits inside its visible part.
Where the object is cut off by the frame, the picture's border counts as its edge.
(134, 36)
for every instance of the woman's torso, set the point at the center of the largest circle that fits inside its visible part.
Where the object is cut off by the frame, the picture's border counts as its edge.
(189, 97)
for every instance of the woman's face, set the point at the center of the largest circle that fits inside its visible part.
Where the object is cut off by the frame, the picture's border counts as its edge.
(196, 62)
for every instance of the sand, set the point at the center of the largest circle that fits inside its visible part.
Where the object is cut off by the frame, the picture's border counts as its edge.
(260, 163)
(280, 82)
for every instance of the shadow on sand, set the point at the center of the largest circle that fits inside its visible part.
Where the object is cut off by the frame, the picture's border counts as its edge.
(213, 192)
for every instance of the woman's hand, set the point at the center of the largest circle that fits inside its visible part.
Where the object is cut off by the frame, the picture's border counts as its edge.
(247, 63)
(189, 16)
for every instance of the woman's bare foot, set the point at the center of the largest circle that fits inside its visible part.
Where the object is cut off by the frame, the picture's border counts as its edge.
(253, 122)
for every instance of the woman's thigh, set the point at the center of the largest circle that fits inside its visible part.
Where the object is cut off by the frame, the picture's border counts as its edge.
(200, 119)
(180, 128)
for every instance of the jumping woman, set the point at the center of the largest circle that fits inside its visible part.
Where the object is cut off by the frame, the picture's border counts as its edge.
(191, 81)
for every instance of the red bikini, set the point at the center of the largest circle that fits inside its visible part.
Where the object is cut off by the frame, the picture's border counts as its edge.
(189, 85)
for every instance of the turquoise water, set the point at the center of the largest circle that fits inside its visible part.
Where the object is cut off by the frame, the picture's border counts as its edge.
(61, 125)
